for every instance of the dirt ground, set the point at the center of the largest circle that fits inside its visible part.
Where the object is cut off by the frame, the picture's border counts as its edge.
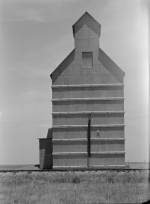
(74, 187)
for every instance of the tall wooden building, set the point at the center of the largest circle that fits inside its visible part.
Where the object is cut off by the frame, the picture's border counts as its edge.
(87, 104)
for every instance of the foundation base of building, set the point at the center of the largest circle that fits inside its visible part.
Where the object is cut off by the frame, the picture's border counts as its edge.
(84, 168)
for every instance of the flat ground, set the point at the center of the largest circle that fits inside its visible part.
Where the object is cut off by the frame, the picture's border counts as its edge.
(86, 187)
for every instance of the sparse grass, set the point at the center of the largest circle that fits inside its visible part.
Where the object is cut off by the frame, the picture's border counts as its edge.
(74, 187)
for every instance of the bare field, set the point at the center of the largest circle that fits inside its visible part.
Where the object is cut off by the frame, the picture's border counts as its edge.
(74, 187)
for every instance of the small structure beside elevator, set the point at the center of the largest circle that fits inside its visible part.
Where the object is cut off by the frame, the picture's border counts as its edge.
(87, 106)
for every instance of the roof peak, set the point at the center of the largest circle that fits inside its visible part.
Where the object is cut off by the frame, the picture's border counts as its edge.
(89, 20)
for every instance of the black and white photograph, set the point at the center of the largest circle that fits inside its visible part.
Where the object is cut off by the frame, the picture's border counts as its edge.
(74, 101)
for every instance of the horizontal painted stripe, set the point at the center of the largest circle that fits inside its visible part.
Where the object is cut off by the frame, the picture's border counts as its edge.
(88, 99)
(109, 165)
(84, 141)
(85, 126)
(89, 112)
(69, 167)
(84, 154)
(91, 167)
(86, 86)
(94, 139)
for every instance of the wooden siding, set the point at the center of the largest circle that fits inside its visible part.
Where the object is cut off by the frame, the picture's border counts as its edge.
(76, 133)
(81, 159)
(97, 145)
(91, 105)
(82, 119)
(90, 90)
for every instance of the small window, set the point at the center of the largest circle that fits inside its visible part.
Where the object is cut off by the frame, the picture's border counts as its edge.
(87, 58)
(98, 133)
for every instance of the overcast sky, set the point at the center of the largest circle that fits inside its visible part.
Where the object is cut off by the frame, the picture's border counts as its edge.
(35, 36)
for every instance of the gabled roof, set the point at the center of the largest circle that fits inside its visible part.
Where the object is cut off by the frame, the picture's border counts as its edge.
(108, 63)
(64, 64)
(87, 19)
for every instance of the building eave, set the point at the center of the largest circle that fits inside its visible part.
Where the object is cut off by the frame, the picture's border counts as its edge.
(109, 64)
(62, 65)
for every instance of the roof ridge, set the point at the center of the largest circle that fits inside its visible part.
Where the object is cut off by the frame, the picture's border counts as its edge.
(94, 24)
(86, 13)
